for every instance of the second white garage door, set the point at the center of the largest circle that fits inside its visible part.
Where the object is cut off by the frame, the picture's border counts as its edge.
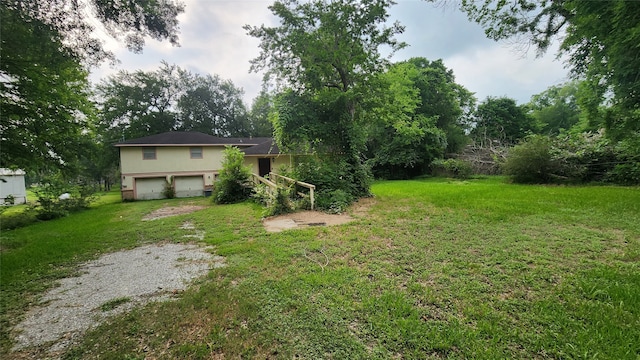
(189, 186)
(150, 188)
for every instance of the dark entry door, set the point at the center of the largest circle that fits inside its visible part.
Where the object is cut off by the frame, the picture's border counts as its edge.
(264, 166)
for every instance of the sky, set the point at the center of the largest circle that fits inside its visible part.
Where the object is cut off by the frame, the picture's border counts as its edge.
(212, 41)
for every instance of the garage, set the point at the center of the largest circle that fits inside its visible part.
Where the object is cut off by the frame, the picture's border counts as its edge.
(150, 188)
(189, 186)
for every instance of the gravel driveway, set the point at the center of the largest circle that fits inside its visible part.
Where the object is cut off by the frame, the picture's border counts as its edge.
(110, 285)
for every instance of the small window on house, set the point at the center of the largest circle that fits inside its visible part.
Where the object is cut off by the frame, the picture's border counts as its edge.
(196, 153)
(149, 153)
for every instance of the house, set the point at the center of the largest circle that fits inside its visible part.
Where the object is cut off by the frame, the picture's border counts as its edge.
(12, 188)
(188, 162)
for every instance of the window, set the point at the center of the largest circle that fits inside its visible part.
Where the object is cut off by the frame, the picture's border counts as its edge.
(149, 153)
(196, 152)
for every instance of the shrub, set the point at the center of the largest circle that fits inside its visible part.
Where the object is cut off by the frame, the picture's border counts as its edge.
(50, 206)
(627, 168)
(233, 184)
(281, 203)
(577, 157)
(169, 191)
(338, 183)
(456, 168)
(333, 173)
(275, 203)
(625, 174)
(584, 156)
(334, 201)
(261, 194)
(531, 161)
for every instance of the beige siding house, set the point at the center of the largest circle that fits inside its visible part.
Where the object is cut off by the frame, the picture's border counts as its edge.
(189, 162)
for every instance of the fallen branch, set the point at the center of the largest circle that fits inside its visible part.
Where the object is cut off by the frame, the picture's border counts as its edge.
(315, 261)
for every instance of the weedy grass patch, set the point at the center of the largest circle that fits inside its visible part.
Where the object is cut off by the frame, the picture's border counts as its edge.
(435, 269)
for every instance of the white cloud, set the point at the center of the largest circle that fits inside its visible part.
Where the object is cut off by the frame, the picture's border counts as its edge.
(212, 41)
(500, 71)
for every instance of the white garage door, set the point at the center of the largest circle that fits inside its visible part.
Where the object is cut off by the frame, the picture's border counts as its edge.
(189, 186)
(150, 188)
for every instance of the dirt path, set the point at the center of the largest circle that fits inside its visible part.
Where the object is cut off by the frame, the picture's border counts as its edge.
(110, 285)
(119, 281)
(171, 211)
(317, 218)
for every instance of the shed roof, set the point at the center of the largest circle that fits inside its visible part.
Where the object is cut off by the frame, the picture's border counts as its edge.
(9, 172)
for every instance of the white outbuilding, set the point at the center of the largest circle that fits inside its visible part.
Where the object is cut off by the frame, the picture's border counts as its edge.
(12, 188)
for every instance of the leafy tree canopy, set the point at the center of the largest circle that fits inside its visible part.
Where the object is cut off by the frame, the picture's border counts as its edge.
(261, 108)
(214, 106)
(556, 108)
(321, 44)
(74, 22)
(329, 54)
(422, 113)
(441, 97)
(502, 119)
(136, 104)
(600, 37)
(45, 46)
(43, 95)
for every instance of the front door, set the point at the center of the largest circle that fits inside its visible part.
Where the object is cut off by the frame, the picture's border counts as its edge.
(264, 166)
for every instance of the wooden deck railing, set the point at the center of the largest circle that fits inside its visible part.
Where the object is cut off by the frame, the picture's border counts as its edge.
(259, 179)
(279, 179)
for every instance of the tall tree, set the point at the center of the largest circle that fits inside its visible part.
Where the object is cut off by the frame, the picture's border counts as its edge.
(556, 108)
(135, 104)
(45, 47)
(141, 103)
(43, 96)
(600, 38)
(261, 108)
(328, 52)
(421, 117)
(442, 98)
(214, 106)
(74, 23)
(502, 119)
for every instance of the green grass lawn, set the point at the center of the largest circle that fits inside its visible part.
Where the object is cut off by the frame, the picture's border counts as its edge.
(435, 269)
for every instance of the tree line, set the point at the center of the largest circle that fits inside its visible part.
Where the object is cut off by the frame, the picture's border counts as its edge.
(329, 92)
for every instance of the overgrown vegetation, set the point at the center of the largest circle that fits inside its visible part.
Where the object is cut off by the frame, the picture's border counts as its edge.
(276, 202)
(58, 197)
(169, 191)
(455, 168)
(16, 219)
(233, 184)
(9, 200)
(334, 201)
(55, 197)
(582, 157)
(531, 162)
(337, 183)
(434, 269)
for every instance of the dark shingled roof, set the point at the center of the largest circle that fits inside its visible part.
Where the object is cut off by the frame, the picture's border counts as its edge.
(268, 147)
(262, 145)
